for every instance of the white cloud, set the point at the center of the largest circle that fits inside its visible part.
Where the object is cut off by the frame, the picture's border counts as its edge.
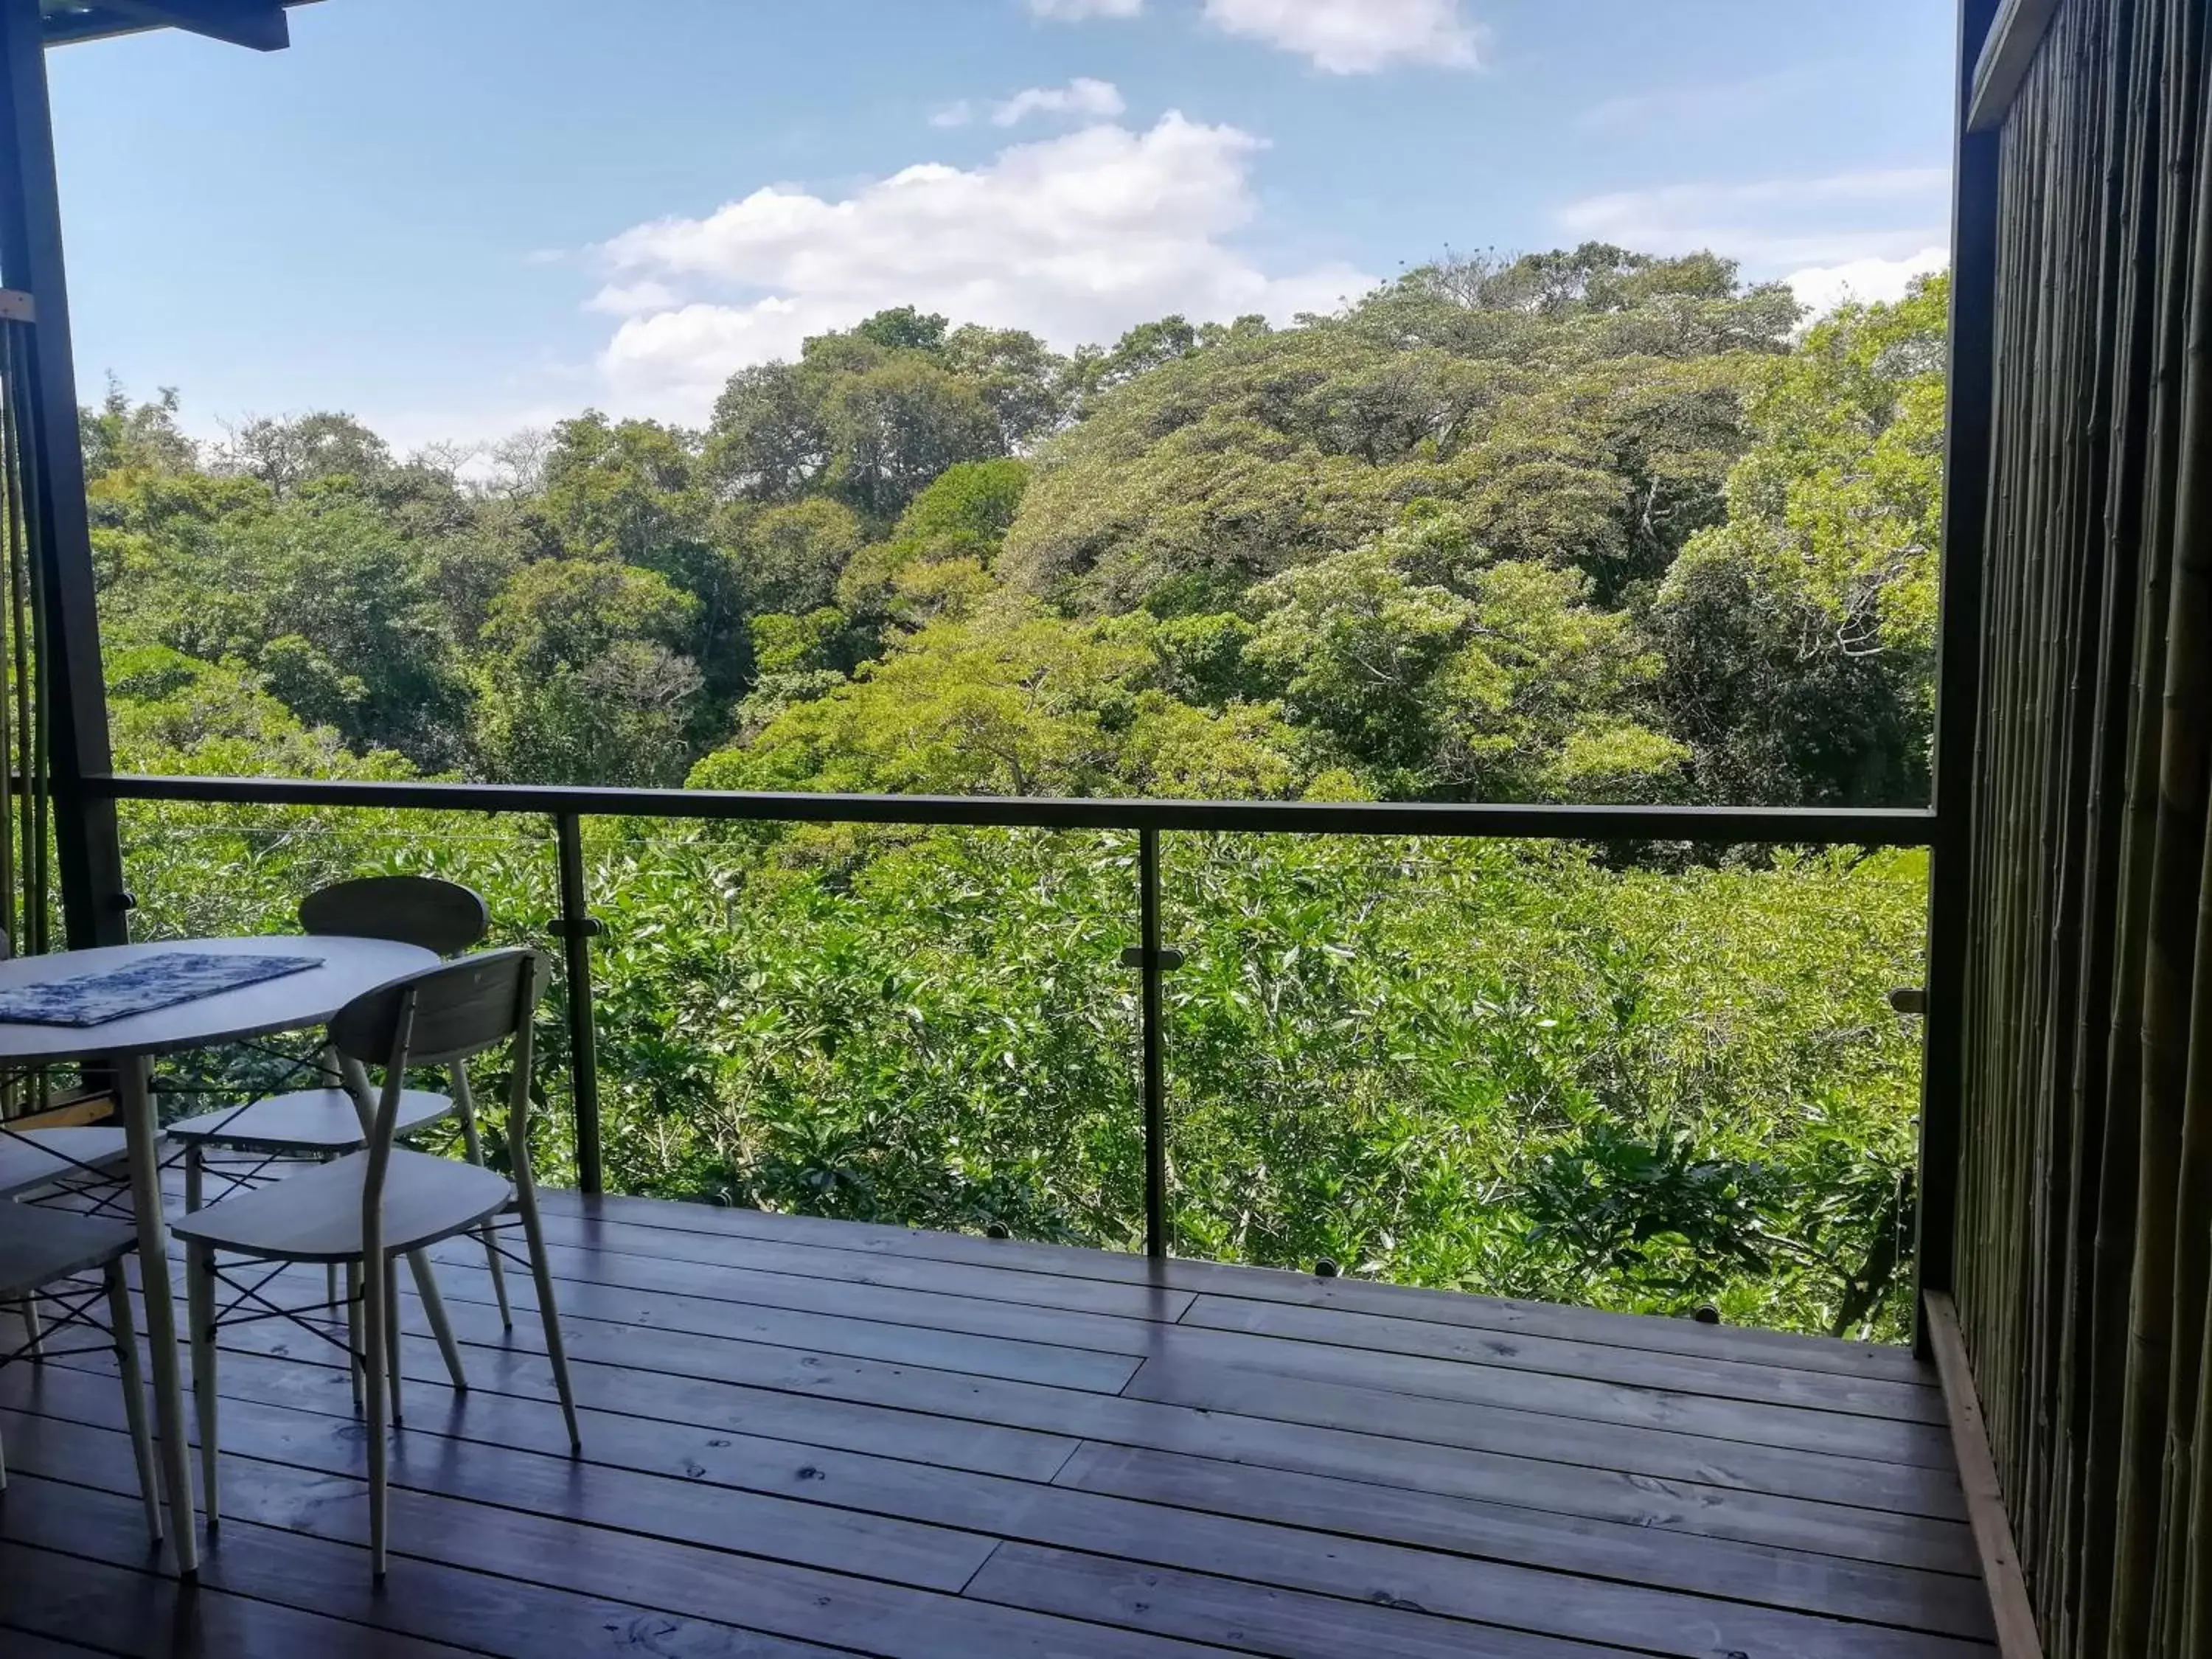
(1702, 107)
(1075, 238)
(958, 114)
(1343, 37)
(628, 299)
(1355, 37)
(1822, 288)
(1776, 224)
(1081, 97)
(1076, 11)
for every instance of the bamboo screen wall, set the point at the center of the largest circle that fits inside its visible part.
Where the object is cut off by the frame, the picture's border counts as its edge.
(2085, 1199)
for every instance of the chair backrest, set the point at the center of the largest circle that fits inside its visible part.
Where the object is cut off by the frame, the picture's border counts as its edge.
(438, 915)
(444, 1013)
(439, 1017)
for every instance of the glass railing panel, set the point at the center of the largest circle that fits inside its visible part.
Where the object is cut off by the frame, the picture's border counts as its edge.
(926, 1027)
(1530, 1069)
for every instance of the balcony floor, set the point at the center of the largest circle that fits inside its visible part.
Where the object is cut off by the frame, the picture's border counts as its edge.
(805, 1436)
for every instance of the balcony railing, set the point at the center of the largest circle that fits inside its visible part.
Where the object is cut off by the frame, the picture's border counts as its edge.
(1151, 958)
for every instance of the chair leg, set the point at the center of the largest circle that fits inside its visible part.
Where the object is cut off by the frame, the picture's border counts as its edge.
(199, 1313)
(134, 1394)
(386, 1271)
(194, 1175)
(34, 1338)
(473, 1139)
(376, 1289)
(330, 1281)
(434, 1310)
(354, 1348)
(526, 1202)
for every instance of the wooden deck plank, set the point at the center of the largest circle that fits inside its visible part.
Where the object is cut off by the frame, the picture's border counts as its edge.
(1247, 1618)
(58, 1578)
(805, 1436)
(774, 1412)
(1770, 1384)
(1909, 1597)
(257, 1553)
(1028, 1360)
(599, 1495)
(1836, 1434)
(1819, 1389)
(1741, 1342)
(1844, 1434)
(1680, 1505)
(1115, 1334)
(1915, 1434)
(1668, 1454)
(21, 1645)
(1665, 1454)
(718, 1456)
(1296, 1626)
(1493, 1592)
(1131, 1298)
(799, 1604)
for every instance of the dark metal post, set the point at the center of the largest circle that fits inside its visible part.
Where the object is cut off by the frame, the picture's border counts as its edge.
(90, 856)
(1156, 1111)
(1965, 517)
(576, 927)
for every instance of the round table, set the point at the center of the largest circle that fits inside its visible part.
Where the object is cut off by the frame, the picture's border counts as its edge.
(296, 1001)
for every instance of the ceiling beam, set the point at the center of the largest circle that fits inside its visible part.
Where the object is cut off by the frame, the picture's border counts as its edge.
(2015, 39)
(258, 24)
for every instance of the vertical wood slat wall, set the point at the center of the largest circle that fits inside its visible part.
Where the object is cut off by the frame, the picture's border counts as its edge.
(2083, 1264)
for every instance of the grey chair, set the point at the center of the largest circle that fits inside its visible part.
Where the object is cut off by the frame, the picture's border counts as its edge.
(323, 1123)
(52, 1253)
(367, 1208)
(71, 1164)
(34, 1160)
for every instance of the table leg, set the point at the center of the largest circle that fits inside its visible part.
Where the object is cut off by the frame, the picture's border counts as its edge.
(141, 1135)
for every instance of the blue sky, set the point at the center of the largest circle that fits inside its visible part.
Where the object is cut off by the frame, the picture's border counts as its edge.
(455, 219)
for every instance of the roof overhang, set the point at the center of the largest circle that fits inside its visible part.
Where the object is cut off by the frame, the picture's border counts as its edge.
(258, 24)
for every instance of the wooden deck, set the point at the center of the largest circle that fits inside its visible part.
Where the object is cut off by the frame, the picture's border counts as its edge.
(806, 1437)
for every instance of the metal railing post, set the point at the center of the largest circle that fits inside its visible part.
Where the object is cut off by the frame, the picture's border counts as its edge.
(1151, 966)
(576, 926)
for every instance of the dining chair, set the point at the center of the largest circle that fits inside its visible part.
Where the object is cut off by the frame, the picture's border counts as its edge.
(363, 1211)
(323, 1123)
(68, 1163)
(50, 1253)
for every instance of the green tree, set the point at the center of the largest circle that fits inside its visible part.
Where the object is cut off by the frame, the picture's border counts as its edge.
(581, 678)
(1799, 634)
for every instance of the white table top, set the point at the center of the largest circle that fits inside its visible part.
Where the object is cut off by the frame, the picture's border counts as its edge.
(349, 966)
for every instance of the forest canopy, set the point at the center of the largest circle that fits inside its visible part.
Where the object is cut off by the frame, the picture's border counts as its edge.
(1580, 526)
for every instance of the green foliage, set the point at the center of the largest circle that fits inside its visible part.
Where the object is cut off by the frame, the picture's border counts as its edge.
(1802, 630)
(580, 681)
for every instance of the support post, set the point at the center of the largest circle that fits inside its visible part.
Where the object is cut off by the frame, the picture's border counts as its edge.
(1156, 1115)
(93, 902)
(1965, 517)
(576, 927)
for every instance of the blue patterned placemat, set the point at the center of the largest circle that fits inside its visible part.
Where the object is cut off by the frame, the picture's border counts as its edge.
(159, 981)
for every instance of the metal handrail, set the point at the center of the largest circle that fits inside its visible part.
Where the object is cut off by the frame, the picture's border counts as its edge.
(568, 804)
(1510, 821)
